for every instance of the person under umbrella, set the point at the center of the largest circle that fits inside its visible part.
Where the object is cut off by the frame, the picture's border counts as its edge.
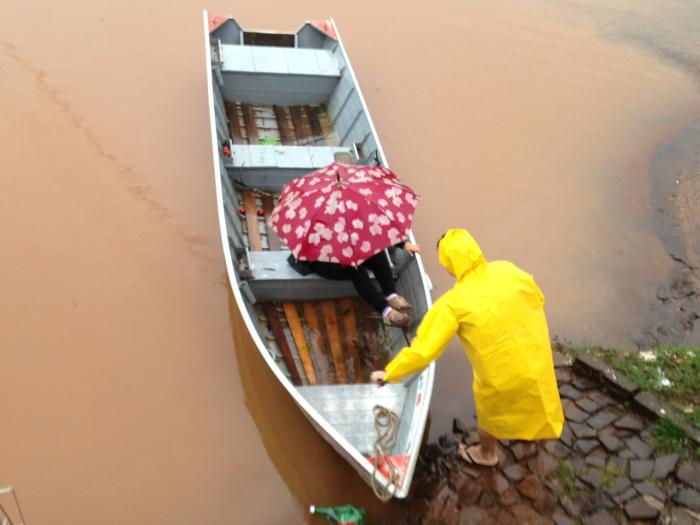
(339, 220)
(387, 302)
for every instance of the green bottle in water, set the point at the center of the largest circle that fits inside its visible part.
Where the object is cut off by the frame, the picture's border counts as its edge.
(341, 514)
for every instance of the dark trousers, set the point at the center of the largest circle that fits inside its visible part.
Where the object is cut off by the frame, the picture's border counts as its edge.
(379, 264)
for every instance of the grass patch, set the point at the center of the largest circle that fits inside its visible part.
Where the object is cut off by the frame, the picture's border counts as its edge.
(669, 437)
(695, 417)
(610, 474)
(567, 477)
(573, 351)
(671, 372)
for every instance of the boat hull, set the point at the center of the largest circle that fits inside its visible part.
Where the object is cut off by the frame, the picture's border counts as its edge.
(415, 280)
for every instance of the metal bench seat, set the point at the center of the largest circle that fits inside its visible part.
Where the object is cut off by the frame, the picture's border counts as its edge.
(269, 168)
(273, 279)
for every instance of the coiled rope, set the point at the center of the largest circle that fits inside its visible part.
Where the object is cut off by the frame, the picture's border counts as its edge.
(386, 423)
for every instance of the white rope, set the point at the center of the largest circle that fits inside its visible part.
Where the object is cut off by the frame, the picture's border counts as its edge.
(386, 423)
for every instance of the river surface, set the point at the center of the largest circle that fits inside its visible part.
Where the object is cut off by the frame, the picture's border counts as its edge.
(130, 391)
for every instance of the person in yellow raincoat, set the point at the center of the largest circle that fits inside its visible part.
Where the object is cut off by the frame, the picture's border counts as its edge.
(497, 311)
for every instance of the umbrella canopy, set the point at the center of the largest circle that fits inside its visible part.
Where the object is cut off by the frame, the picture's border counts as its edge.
(343, 213)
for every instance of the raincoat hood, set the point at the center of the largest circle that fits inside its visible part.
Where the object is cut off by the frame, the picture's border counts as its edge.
(460, 253)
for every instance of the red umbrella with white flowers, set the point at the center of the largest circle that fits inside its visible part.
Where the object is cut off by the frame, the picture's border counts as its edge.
(343, 213)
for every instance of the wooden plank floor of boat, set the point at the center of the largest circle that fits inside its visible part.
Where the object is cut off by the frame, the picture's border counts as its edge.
(329, 347)
(292, 125)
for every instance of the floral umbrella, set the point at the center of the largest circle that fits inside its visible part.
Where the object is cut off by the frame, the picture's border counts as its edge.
(343, 213)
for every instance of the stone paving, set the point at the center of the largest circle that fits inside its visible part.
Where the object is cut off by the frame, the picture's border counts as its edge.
(603, 470)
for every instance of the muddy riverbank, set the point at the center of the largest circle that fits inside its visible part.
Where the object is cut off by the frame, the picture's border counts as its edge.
(675, 174)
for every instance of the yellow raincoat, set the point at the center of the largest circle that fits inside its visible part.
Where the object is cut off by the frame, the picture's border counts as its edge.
(497, 311)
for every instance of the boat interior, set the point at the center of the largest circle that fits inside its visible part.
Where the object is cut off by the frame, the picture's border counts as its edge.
(286, 105)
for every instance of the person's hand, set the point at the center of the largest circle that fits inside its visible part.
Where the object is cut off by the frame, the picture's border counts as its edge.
(377, 377)
(411, 248)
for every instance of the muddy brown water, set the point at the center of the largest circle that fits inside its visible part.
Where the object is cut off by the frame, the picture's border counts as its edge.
(130, 390)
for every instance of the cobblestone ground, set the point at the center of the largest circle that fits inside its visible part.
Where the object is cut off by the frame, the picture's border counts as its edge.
(603, 470)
